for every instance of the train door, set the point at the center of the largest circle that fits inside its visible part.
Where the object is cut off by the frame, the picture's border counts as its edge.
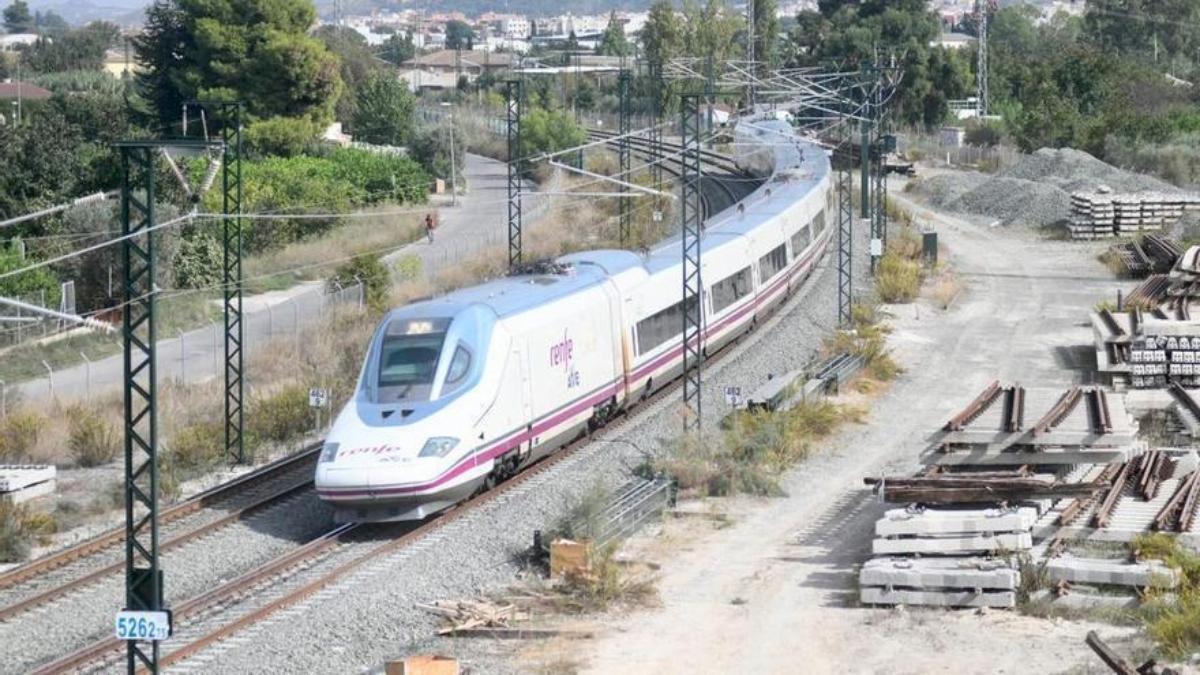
(620, 345)
(522, 356)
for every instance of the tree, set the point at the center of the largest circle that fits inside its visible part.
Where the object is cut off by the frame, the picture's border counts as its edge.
(613, 41)
(81, 49)
(711, 29)
(17, 18)
(50, 23)
(357, 60)
(459, 35)
(383, 111)
(398, 49)
(254, 51)
(766, 33)
(662, 34)
(572, 41)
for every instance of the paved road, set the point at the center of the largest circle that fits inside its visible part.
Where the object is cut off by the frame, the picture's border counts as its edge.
(478, 220)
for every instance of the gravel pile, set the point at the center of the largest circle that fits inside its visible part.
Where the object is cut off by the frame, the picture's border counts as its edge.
(1036, 191)
(355, 625)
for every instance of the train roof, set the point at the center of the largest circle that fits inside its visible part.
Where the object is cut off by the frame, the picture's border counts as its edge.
(799, 167)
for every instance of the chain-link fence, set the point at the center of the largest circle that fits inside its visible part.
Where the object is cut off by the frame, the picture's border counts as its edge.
(936, 150)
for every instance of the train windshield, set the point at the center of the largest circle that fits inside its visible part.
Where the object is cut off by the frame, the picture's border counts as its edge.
(408, 356)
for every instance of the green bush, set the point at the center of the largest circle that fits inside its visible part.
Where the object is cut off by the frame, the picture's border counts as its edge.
(198, 445)
(90, 438)
(30, 285)
(281, 136)
(19, 432)
(371, 272)
(282, 416)
(198, 262)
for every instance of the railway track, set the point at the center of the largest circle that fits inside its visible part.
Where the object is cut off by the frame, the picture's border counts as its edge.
(718, 191)
(206, 619)
(54, 576)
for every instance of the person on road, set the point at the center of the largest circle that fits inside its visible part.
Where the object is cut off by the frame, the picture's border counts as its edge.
(429, 226)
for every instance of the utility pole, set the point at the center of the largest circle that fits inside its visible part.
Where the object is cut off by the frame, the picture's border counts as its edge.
(625, 217)
(845, 215)
(981, 80)
(229, 115)
(750, 26)
(693, 226)
(513, 91)
(144, 597)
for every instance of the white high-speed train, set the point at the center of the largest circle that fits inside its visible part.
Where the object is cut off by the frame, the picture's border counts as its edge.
(464, 390)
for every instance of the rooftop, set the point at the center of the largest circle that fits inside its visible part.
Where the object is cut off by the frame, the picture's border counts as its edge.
(11, 89)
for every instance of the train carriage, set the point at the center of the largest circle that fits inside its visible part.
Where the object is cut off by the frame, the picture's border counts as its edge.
(464, 390)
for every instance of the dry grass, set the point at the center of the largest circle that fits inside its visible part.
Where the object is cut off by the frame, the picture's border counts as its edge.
(867, 337)
(945, 289)
(312, 259)
(753, 453)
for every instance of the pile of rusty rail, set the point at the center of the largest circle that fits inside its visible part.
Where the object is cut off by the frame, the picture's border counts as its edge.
(1150, 293)
(976, 487)
(1014, 407)
(1080, 424)
(1151, 254)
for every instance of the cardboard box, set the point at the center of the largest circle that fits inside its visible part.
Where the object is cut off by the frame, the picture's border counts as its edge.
(422, 665)
(570, 557)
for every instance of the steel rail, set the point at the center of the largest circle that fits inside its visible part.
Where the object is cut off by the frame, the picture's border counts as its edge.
(975, 408)
(192, 505)
(1059, 411)
(1100, 518)
(119, 566)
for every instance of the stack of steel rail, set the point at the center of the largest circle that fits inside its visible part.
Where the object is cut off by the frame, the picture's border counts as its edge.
(999, 484)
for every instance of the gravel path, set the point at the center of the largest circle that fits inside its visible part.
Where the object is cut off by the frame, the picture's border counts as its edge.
(359, 622)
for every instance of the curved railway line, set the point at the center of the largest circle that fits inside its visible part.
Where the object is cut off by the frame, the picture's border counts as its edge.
(718, 191)
(211, 616)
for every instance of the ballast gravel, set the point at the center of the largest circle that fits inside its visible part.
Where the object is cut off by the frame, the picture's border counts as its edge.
(1036, 190)
(76, 619)
(356, 624)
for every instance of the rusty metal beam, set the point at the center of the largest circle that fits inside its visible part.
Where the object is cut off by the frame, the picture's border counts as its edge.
(1100, 519)
(1058, 412)
(975, 408)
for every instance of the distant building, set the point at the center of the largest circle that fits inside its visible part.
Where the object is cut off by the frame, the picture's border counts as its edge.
(117, 63)
(12, 90)
(953, 41)
(440, 69)
(14, 41)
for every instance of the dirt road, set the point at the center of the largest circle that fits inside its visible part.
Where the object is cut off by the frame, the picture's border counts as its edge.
(776, 592)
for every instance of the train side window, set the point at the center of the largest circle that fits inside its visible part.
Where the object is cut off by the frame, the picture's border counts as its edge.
(659, 327)
(770, 264)
(819, 223)
(730, 289)
(801, 240)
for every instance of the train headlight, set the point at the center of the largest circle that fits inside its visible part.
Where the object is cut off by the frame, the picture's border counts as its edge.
(438, 446)
(329, 452)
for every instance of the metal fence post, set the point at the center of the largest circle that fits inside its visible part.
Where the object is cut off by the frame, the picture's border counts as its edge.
(3, 398)
(182, 358)
(87, 373)
(50, 372)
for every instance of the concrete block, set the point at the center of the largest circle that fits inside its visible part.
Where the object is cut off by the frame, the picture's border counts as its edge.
(26, 494)
(1077, 599)
(940, 573)
(880, 596)
(1111, 572)
(954, 521)
(953, 545)
(15, 477)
